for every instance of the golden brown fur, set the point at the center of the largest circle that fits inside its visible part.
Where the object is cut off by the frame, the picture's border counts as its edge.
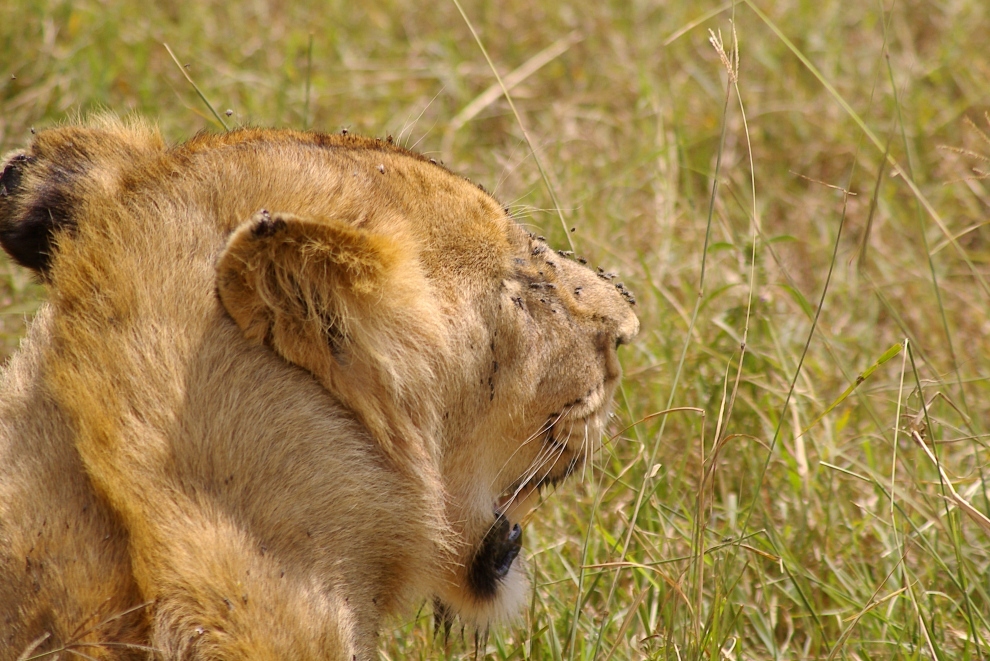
(286, 385)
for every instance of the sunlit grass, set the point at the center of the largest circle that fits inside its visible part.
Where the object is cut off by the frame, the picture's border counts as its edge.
(767, 526)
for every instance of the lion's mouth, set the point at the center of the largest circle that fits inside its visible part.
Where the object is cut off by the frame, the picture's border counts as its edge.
(513, 508)
(557, 463)
(502, 543)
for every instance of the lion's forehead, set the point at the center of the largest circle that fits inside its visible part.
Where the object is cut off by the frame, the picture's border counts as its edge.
(381, 186)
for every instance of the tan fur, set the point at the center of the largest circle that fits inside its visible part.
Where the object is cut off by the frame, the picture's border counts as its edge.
(285, 385)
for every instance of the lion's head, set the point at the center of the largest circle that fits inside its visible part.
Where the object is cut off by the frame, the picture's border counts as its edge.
(479, 361)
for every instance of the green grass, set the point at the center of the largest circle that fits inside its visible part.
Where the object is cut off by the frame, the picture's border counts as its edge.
(753, 522)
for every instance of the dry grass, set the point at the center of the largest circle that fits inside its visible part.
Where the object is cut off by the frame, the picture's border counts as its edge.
(745, 524)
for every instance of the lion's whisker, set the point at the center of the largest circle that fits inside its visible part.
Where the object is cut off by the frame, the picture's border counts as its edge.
(547, 426)
(548, 455)
(586, 451)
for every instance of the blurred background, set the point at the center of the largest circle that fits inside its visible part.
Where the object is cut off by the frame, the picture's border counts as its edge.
(798, 463)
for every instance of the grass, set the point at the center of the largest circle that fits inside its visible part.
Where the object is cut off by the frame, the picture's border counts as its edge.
(784, 223)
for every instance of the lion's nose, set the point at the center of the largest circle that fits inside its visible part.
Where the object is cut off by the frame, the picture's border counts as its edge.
(628, 328)
(625, 337)
(624, 325)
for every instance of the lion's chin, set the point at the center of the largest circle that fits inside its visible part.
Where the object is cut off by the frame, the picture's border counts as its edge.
(497, 583)
(497, 586)
(496, 579)
(504, 606)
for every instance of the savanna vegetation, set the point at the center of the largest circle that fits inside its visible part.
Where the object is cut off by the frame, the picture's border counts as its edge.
(797, 194)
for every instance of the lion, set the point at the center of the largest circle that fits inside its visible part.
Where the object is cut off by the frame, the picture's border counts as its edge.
(286, 385)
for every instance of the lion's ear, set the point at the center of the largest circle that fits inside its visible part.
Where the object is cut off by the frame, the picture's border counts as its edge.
(44, 191)
(350, 306)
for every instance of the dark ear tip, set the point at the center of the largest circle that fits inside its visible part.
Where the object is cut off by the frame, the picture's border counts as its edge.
(11, 235)
(28, 244)
(26, 230)
(265, 225)
(10, 180)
